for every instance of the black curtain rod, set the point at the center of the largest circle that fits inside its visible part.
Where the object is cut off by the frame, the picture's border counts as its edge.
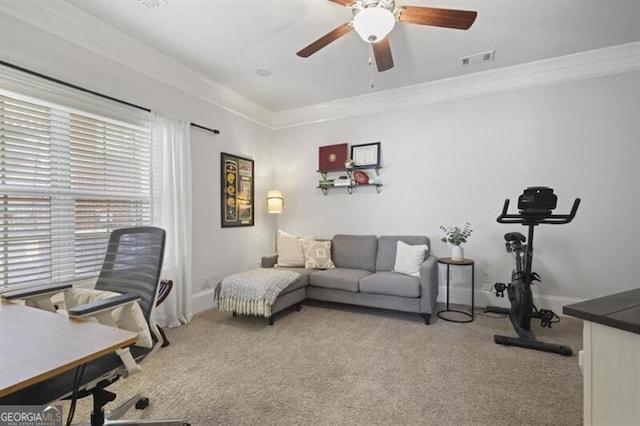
(82, 89)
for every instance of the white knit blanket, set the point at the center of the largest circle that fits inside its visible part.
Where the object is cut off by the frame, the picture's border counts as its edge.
(253, 292)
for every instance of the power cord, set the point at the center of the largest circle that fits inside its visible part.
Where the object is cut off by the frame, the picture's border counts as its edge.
(77, 379)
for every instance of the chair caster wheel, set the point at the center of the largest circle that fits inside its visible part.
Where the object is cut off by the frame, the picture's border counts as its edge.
(142, 403)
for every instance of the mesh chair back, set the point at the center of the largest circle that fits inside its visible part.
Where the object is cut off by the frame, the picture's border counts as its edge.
(132, 264)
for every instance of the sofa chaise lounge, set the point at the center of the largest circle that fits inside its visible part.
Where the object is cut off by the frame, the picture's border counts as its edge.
(364, 274)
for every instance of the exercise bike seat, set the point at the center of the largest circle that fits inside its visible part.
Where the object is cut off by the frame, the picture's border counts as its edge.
(514, 236)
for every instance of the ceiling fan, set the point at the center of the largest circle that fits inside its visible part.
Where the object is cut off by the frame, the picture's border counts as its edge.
(374, 19)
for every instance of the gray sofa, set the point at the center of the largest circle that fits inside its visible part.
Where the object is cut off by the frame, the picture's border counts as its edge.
(364, 276)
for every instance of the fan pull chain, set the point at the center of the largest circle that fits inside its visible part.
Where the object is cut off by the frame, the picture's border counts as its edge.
(373, 81)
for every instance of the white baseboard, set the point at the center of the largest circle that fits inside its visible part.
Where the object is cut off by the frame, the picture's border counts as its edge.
(203, 300)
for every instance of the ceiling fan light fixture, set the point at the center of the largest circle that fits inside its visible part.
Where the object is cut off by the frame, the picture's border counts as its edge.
(373, 23)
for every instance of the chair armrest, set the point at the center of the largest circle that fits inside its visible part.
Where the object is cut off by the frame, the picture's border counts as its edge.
(101, 311)
(37, 297)
(41, 290)
(269, 261)
(108, 304)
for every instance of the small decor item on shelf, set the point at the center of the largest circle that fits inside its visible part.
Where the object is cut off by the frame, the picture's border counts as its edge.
(456, 236)
(348, 164)
(361, 177)
(342, 181)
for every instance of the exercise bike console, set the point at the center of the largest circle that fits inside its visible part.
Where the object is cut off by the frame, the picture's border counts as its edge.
(535, 207)
(537, 199)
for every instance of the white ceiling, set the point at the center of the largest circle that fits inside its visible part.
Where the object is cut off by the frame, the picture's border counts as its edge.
(228, 40)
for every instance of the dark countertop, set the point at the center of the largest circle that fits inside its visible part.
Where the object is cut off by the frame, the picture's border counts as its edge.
(620, 310)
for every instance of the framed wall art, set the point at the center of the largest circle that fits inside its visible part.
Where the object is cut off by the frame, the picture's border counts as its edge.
(237, 198)
(332, 157)
(367, 154)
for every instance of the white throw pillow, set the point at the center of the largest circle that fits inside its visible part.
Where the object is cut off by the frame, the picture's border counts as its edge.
(290, 252)
(128, 317)
(409, 258)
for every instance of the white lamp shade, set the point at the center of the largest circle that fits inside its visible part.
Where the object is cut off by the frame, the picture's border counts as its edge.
(373, 23)
(275, 201)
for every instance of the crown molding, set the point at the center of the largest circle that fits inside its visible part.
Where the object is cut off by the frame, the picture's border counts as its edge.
(593, 63)
(74, 25)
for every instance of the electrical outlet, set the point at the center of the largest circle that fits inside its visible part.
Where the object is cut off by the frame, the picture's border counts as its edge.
(206, 282)
(485, 277)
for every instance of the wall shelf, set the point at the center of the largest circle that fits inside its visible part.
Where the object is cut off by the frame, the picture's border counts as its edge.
(350, 188)
(353, 184)
(350, 171)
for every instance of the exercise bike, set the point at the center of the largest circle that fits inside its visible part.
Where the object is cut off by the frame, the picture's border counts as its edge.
(535, 205)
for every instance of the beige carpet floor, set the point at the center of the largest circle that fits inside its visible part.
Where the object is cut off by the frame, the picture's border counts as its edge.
(331, 364)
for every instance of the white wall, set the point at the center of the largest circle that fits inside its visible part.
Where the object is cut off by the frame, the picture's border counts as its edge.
(452, 162)
(215, 250)
(444, 163)
(224, 251)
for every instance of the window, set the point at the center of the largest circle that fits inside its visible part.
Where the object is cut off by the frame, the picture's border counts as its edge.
(67, 179)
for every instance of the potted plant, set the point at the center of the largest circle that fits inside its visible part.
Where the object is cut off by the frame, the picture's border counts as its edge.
(456, 235)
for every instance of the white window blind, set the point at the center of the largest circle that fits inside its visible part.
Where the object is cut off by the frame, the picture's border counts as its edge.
(67, 179)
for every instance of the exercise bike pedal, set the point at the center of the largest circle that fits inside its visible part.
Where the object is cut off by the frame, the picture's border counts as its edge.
(546, 317)
(500, 289)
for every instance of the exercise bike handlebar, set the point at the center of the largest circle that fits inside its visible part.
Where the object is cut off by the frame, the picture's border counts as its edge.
(552, 219)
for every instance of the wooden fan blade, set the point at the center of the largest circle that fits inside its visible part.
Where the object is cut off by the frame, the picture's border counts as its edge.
(324, 40)
(382, 53)
(343, 2)
(448, 18)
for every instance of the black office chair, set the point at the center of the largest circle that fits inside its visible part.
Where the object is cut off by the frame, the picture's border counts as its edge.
(131, 267)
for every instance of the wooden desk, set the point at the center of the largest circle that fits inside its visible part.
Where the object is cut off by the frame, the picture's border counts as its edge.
(36, 345)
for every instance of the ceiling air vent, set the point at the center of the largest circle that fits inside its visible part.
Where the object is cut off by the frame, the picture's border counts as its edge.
(478, 58)
(152, 4)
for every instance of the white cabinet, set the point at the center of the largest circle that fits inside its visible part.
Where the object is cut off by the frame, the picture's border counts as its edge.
(610, 359)
(611, 367)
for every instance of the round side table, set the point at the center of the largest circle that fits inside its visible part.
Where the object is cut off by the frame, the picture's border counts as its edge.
(465, 262)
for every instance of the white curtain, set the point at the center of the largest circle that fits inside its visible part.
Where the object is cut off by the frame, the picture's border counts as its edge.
(171, 192)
